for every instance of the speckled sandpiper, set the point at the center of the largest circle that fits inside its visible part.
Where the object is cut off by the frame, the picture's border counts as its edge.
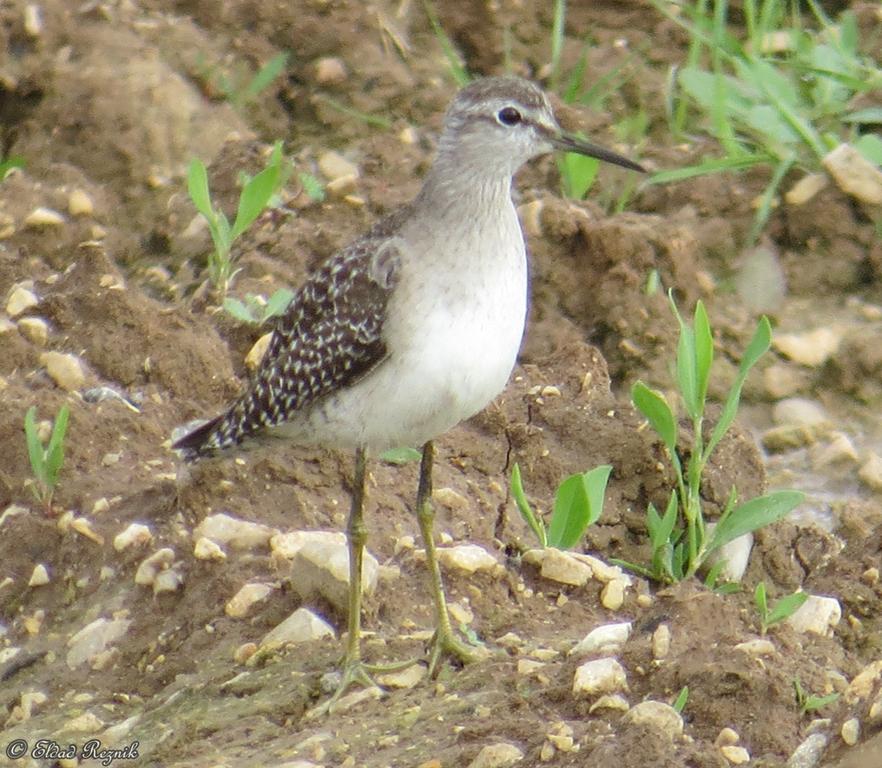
(411, 328)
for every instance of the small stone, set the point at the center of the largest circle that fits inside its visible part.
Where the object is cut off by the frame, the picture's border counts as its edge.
(64, 369)
(870, 576)
(861, 687)
(135, 535)
(809, 753)
(409, 677)
(20, 300)
(817, 614)
(501, 755)
(85, 723)
(663, 717)
(100, 506)
(248, 596)
(806, 188)
(80, 204)
(727, 737)
(599, 676)
(614, 702)
(870, 472)
(84, 527)
(547, 752)
(239, 534)
(35, 330)
(39, 576)
(92, 640)
(450, 498)
(34, 623)
(612, 596)
(23, 711)
(811, 349)
(333, 166)
(851, 731)
(800, 411)
(757, 647)
(342, 186)
(206, 549)
(321, 566)
(854, 174)
(838, 451)
(563, 568)
(460, 613)
(734, 555)
(257, 351)
(43, 217)
(510, 640)
(302, 626)
(151, 566)
(529, 666)
(244, 652)
(606, 639)
(788, 437)
(781, 380)
(33, 20)
(661, 642)
(408, 136)
(404, 544)
(735, 755)
(169, 580)
(111, 459)
(468, 558)
(330, 70)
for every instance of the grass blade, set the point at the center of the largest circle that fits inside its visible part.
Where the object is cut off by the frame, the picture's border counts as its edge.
(254, 198)
(657, 412)
(197, 187)
(754, 514)
(517, 492)
(35, 447)
(55, 449)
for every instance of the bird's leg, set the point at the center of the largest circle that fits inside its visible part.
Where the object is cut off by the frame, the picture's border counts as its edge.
(354, 670)
(444, 642)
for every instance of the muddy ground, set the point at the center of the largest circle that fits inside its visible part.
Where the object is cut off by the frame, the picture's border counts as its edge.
(107, 102)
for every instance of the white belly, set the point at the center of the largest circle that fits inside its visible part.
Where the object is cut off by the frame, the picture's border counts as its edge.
(452, 340)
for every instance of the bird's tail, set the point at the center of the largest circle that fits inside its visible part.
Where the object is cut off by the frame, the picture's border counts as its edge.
(198, 442)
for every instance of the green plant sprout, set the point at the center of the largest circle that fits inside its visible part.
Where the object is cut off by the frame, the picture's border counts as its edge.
(8, 164)
(312, 186)
(400, 455)
(45, 460)
(783, 97)
(256, 310)
(678, 536)
(680, 702)
(255, 196)
(577, 504)
(242, 87)
(455, 65)
(809, 702)
(783, 609)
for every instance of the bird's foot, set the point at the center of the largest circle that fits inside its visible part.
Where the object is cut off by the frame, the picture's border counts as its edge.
(446, 645)
(356, 672)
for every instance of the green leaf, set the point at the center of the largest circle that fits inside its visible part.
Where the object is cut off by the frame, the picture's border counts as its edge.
(661, 528)
(870, 146)
(278, 303)
(758, 346)
(714, 165)
(267, 73)
(657, 412)
(682, 697)
(197, 187)
(754, 514)
(35, 447)
(571, 510)
(254, 198)
(238, 310)
(55, 450)
(578, 173)
(704, 353)
(786, 607)
(404, 455)
(517, 492)
(762, 604)
(687, 375)
(866, 115)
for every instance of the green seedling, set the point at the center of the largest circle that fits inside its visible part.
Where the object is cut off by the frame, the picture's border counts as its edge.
(782, 610)
(312, 186)
(256, 310)
(809, 702)
(678, 535)
(241, 87)
(682, 697)
(255, 196)
(577, 504)
(781, 97)
(400, 455)
(8, 164)
(45, 460)
(455, 65)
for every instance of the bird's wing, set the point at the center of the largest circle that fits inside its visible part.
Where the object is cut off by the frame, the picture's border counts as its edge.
(329, 337)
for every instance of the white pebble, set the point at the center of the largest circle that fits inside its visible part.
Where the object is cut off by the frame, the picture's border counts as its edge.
(661, 642)
(607, 638)
(599, 676)
(467, 557)
(851, 731)
(257, 351)
(870, 472)
(812, 348)
(239, 534)
(80, 204)
(564, 568)
(612, 596)
(663, 717)
(854, 174)
(248, 596)
(501, 755)
(168, 580)
(35, 330)
(333, 166)
(151, 566)
(43, 217)
(64, 369)
(735, 755)
(818, 614)
(206, 549)
(302, 626)
(39, 576)
(20, 300)
(135, 535)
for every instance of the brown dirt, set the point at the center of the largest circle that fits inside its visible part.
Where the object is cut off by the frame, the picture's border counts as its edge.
(114, 99)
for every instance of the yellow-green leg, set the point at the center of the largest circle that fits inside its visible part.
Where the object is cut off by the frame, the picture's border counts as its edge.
(444, 642)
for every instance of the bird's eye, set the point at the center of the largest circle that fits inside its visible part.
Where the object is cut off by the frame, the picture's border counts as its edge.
(509, 116)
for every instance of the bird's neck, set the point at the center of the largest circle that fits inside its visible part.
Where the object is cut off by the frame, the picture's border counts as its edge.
(460, 189)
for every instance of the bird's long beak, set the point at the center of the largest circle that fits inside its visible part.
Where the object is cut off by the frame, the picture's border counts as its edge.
(569, 143)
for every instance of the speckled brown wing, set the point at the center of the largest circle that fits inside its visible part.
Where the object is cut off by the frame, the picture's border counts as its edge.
(329, 337)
